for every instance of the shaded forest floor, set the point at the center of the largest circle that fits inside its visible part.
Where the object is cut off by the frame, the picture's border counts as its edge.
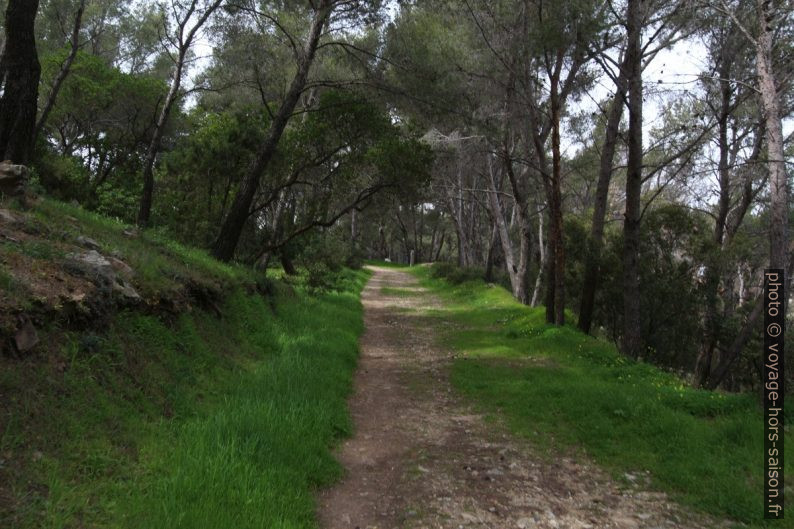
(424, 456)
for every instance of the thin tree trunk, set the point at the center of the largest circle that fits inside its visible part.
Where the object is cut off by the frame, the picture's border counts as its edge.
(592, 273)
(632, 332)
(555, 208)
(541, 262)
(232, 228)
(19, 78)
(500, 225)
(711, 320)
(489, 261)
(147, 195)
(74, 42)
(185, 41)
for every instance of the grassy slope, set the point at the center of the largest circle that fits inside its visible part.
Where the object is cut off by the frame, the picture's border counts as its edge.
(570, 392)
(192, 421)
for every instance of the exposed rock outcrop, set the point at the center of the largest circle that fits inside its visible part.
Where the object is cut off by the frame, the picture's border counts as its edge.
(13, 179)
(106, 274)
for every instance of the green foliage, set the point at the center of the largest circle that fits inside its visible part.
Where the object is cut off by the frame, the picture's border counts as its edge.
(97, 133)
(201, 174)
(673, 246)
(454, 274)
(571, 393)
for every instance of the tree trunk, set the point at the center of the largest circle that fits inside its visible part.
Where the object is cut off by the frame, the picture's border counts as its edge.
(63, 72)
(500, 226)
(517, 269)
(548, 273)
(19, 78)
(147, 195)
(711, 319)
(489, 261)
(632, 332)
(778, 185)
(541, 262)
(555, 209)
(353, 230)
(287, 264)
(185, 41)
(232, 228)
(592, 273)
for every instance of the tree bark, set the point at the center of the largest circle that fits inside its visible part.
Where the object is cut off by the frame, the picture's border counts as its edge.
(592, 273)
(776, 165)
(232, 228)
(19, 78)
(489, 261)
(500, 226)
(555, 208)
(541, 262)
(632, 332)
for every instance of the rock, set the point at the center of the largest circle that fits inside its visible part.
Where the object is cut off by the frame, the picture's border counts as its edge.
(525, 523)
(7, 217)
(101, 271)
(131, 233)
(87, 242)
(26, 338)
(121, 267)
(13, 179)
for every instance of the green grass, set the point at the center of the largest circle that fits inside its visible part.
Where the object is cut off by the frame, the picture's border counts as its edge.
(161, 265)
(572, 393)
(198, 422)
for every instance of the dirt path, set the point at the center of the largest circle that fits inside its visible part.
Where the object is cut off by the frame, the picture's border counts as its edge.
(422, 458)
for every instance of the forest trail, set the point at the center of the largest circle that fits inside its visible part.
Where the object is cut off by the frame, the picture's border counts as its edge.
(422, 458)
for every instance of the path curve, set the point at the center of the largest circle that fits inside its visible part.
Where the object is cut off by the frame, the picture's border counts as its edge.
(422, 458)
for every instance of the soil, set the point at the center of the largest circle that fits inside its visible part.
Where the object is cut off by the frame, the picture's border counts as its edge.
(422, 457)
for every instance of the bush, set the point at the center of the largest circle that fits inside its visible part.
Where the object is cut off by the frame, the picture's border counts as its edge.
(320, 277)
(455, 274)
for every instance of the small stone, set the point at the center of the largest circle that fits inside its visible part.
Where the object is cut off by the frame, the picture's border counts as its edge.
(6, 217)
(26, 338)
(87, 242)
(121, 267)
(525, 523)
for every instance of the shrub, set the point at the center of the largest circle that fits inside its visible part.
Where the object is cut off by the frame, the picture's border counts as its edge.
(455, 274)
